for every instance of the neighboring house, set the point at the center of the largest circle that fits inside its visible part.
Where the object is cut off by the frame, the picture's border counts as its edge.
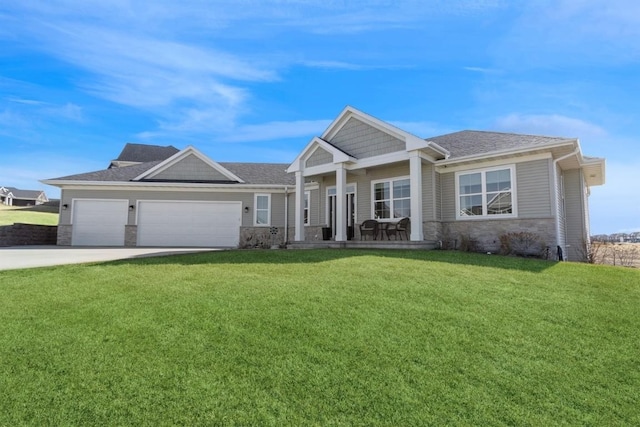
(12, 196)
(470, 183)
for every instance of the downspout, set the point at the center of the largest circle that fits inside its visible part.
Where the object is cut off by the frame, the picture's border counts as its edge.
(555, 189)
(286, 214)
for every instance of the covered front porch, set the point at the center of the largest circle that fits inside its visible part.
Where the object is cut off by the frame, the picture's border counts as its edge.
(363, 169)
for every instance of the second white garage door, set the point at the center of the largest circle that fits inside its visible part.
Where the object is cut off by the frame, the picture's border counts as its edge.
(193, 224)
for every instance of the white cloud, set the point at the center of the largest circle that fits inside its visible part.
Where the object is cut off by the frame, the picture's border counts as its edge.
(549, 125)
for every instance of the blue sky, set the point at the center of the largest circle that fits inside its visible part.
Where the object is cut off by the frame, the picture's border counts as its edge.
(255, 80)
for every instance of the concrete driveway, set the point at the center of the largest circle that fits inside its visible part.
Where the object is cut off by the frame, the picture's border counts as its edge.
(17, 257)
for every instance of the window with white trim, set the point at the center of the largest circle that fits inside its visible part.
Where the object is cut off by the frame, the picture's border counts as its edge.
(307, 202)
(485, 193)
(392, 198)
(262, 211)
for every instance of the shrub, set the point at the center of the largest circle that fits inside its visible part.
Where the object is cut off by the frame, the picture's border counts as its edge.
(521, 243)
(469, 244)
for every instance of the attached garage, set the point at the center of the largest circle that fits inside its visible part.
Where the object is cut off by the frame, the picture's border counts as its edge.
(98, 222)
(189, 223)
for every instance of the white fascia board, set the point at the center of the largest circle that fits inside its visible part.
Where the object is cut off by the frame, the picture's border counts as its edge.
(162, 186)
(367, 162)
(181, 155)
(383, 159)
(595, 170)
(319, 170)
(490, 162)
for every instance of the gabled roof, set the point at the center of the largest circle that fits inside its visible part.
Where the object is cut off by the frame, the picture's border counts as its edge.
(472, 142)
(233, 172)
(125, 173)
(412, 141)
(179, 156)
(251, 173)
(142, 153)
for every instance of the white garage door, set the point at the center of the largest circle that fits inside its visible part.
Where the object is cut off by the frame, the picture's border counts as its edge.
(179, 223)
(98, 222)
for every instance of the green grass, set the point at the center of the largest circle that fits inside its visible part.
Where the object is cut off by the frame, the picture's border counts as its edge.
(27, 215)
(321, 337)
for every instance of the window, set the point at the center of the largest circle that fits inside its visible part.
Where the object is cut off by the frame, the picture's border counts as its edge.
(263, 209)
(307, 202)
(485, 193)
(392, 198)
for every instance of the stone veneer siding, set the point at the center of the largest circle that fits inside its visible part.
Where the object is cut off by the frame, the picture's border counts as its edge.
(130, 235)
(487, 232)
(64, 235)
(261, 237)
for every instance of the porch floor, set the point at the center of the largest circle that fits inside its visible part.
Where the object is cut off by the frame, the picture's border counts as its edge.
(365, 244)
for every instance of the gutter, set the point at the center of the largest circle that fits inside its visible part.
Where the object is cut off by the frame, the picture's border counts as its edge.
(555, 187)
(286, 214)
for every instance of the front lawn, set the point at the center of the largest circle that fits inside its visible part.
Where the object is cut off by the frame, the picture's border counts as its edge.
(321, 337)
(28, 215)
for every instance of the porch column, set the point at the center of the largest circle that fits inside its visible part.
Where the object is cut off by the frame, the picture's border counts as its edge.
(299, 208)
(415, 177)
(341, 213)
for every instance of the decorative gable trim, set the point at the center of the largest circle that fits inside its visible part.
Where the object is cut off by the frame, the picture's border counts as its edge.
(339, 156)
(412, 142)
(178, 157)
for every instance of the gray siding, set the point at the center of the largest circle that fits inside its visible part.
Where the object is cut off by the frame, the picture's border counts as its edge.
(277, 210)
(247, 199)
(438, 195)
(319, 157)
(574, 194)
(191, 168)
(428, 196)
(533, 188)
(362, 140)
(448, 201)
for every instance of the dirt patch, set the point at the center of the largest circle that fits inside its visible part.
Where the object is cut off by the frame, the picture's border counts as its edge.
(622, 254)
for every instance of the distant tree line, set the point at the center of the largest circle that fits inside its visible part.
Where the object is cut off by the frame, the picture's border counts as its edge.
(633, 237)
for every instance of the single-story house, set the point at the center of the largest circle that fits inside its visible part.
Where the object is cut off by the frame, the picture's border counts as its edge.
(470, 183)
(12, 196)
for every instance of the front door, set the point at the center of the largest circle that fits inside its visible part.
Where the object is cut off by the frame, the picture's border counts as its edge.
(350, 200)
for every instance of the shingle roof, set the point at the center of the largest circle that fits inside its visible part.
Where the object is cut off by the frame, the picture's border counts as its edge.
(250, 173)
(145, 153)
(125, 173)
(261, 173)
(473, 142)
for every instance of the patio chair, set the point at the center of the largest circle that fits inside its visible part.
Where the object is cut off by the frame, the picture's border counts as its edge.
(398, 228)
(369, 227)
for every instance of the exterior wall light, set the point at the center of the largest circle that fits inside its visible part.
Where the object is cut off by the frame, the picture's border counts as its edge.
(131, 208)
(65, 207)
(246, 209)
